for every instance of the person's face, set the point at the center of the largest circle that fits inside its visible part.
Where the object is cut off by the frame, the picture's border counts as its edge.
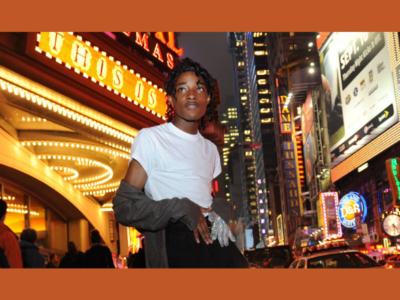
(55, 259)
(191, 99)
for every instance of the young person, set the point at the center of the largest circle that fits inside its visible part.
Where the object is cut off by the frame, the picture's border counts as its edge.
(8, 241)
(175, 165)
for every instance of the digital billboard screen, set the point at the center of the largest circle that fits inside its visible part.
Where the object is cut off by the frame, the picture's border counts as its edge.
(359, 90)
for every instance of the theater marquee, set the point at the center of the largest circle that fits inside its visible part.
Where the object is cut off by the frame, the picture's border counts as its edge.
(94, 64)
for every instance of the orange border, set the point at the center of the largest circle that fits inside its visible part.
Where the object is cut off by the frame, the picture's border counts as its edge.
(206, 15)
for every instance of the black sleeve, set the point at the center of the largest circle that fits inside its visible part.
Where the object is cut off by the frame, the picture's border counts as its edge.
(110, 262)
(133, 208)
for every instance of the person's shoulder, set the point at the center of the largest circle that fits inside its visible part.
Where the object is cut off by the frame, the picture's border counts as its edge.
(209, 143)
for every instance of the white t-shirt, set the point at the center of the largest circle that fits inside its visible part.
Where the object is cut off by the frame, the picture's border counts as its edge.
(178, 164)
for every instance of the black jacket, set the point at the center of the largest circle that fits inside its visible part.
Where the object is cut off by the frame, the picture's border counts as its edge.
(31, 257)
(69, 261)
(98, 256)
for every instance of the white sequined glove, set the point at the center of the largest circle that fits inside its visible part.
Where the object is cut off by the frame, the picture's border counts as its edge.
(220, 230)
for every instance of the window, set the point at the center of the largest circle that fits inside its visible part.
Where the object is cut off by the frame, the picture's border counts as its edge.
(265, 110)
(262, 81)
(263, 72)
(292, 46)
(302, 264)
(264, 100)
(294, 265)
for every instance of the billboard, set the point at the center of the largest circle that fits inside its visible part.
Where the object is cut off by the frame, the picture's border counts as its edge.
(359, 91)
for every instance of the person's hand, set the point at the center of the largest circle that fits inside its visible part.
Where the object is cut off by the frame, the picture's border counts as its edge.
(202, 228)
(220, 230)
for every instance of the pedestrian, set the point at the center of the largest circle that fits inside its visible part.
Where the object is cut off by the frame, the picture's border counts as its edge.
(3, 259)
(98, 256)
(8, 240)
(53, 261)
(31, 257)
(175, 165)
(73, 258)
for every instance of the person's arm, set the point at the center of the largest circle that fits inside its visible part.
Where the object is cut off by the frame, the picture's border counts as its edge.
(133, 208)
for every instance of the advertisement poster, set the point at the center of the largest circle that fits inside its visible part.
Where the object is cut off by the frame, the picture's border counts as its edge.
(359, 91)
(307, 117)
(280, 228)
(310, 154)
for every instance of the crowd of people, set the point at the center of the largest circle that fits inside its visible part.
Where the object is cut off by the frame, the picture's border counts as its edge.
(24, 253)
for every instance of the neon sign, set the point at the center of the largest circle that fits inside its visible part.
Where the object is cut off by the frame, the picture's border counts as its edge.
(329, 203)
(393, 171)
(351, 204)
(154, 46)
(95, 65)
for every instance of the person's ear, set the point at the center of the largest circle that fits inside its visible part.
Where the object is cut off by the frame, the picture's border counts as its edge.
(170, 100)
(208, 99)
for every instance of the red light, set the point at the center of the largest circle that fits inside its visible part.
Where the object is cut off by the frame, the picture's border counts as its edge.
(127, 33)
(216, 185)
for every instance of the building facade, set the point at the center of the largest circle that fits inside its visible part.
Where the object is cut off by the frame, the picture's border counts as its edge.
(71, 105)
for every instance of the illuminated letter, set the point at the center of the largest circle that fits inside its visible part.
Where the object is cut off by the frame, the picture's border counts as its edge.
(157, 53)
(285, 111)
(102, 68)
(117, 77)
(294, 211)
(293, 193)
(152, 98)
(160, 36)
(283, 100)
(289, 154)
(286, 127)
(81, 55)
(294, 202)
(170, 60)
(139, 90)
(292, 184)
(287, 118)
(171, 44)
(142, 41)
(127, 33)
(56, 41)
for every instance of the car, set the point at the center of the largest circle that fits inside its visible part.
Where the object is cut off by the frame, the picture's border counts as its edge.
(340, 258)
(269, 257)
(392, 264)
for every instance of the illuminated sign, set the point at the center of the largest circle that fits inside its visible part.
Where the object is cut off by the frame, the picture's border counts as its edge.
(94, 64)
(330, 222)
(291, 176)
(280, 228)
(393, 171)
(351, 204)
(159, 47)
(285, 114)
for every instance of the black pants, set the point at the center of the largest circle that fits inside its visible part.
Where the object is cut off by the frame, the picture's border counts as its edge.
(184, 252)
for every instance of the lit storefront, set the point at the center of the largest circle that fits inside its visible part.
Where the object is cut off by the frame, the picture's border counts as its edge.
(70, 107)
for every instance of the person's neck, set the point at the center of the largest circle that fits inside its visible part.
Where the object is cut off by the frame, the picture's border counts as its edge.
(188, 127)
